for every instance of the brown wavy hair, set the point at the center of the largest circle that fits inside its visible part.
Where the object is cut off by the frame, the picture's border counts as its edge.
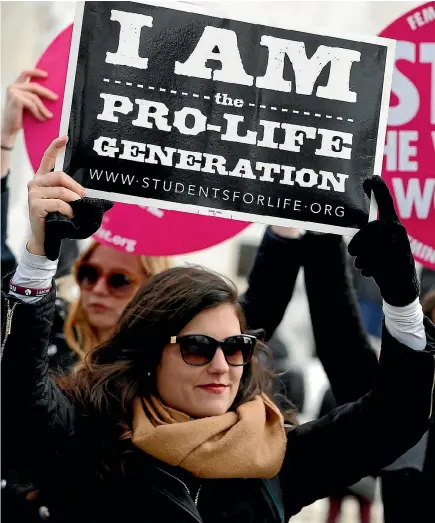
(115, 373)
(79, 334)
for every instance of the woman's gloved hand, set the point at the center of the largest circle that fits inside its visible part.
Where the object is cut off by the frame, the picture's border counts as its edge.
(383, 251)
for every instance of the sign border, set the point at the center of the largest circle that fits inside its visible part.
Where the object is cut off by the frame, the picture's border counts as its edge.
(202, 9)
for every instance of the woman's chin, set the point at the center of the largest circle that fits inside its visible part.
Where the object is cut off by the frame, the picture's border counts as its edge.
(101, 321)
(207, 409)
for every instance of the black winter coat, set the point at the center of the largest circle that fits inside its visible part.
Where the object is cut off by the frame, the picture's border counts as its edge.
(57, 440)
(333, 309)
(8, 262)
(257, 306)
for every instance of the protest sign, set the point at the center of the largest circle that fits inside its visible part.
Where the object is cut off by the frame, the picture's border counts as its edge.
(130, 228)
(409, 163)
(176, 108)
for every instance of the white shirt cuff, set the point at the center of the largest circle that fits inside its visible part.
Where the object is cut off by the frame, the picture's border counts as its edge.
(406, 324)
(33, 272)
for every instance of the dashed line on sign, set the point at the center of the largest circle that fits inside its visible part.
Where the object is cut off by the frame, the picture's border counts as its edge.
(207, 97)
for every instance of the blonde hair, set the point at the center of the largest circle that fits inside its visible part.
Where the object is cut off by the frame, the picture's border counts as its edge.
(79, 334)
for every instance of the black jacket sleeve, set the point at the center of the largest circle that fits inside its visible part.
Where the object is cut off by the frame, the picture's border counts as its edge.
(357, 439)
(341, 342)
(8, 259)
(271, 282)
(36, 415)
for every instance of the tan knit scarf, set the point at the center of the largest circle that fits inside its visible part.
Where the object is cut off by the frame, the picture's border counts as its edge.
(247, 443)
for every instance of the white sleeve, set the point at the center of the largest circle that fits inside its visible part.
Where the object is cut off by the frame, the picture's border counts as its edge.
(33, 272)
(406, 324)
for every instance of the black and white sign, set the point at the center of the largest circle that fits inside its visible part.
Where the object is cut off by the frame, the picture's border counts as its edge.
(174, 107)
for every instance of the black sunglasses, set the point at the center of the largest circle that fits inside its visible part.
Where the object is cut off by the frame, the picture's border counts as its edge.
(199, 349)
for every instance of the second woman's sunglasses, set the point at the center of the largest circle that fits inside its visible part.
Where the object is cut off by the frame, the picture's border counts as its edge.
(118, 281)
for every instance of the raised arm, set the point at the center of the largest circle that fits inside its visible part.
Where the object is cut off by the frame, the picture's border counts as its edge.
(336, 450)
(272, 279)
(30, 398)
(358, 439)
(22, 95)
(32, 404)
(342, 345)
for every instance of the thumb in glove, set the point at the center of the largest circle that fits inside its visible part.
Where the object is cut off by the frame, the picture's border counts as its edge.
(87, 219)
(382, 250)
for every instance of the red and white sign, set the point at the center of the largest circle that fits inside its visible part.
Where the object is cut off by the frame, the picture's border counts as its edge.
(409, 156)
(126, 227)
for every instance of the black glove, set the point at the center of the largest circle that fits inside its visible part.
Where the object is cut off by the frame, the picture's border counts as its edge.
(88, 215)
(382, 250)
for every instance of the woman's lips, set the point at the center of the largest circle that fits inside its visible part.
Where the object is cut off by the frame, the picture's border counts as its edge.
(214, 389)
(96, 307)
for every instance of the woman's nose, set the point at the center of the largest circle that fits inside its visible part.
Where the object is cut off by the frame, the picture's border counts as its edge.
(219, 363)
(101, 287)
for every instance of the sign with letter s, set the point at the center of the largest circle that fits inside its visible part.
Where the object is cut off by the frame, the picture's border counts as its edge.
(177, 108)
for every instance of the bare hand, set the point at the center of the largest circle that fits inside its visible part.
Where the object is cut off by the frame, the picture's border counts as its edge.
(50, 192)
(287, 232)
(24, 94)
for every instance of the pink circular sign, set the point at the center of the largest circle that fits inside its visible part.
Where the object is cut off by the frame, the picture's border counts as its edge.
(131, 228)
(409, 156)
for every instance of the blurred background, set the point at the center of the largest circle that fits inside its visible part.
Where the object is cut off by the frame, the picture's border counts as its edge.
(27, 28)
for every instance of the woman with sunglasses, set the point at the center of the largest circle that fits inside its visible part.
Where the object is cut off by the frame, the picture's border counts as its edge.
(113, 277)
(171, 419)
(108, 279)
(87, 322)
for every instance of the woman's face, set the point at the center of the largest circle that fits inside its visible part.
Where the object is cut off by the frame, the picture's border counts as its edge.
(103, 305)
(181, 386)
(433, 314)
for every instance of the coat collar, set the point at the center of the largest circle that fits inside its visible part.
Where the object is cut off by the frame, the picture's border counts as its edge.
(174, 485)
